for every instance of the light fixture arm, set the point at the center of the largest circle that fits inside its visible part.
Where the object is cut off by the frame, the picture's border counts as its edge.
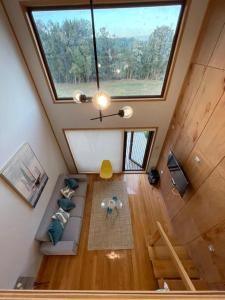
(120, 113)
(126, 112)
(106, 116)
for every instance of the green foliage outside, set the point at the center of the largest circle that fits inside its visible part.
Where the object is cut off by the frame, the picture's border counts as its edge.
(120, 87)
(69, 51)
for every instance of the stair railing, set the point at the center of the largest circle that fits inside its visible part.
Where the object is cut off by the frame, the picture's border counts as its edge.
(160, 233)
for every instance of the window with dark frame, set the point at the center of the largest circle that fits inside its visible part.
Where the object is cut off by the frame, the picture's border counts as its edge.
(135, 45)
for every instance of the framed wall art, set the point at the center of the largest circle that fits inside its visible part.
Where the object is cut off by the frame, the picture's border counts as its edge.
(25, 175)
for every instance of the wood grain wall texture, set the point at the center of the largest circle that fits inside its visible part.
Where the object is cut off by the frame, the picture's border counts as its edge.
(198, 130)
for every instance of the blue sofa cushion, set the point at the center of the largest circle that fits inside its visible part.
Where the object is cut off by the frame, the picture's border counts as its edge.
(72, 183)
(66, 204)
(55, 231)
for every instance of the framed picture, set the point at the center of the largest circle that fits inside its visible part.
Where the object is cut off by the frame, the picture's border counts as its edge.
(25, 175)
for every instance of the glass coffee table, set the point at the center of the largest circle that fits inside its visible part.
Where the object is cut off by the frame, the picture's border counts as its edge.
(111, 205)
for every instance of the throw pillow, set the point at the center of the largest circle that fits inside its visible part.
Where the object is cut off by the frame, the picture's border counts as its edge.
(66, 204)
(55, 231)
(71, 183)
(62, 216)
(67, 192)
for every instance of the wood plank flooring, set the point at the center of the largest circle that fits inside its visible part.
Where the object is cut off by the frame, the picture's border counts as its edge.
(111, 270)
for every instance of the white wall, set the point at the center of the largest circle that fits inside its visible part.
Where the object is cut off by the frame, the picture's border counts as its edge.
(22, 119)
(146, 114)
(90, 147)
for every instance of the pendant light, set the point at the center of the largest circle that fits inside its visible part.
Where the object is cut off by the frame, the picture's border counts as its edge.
(101, 99)
(127, 112)
(79, 97)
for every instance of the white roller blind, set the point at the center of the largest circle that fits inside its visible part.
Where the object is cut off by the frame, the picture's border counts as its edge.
(90, 147)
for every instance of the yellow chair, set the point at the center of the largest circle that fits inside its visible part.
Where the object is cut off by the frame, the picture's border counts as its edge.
(106, 170)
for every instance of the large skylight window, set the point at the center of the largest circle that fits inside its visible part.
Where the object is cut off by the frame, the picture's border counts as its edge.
(134, 48)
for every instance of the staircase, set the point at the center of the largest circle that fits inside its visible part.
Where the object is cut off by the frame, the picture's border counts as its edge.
(172, 264)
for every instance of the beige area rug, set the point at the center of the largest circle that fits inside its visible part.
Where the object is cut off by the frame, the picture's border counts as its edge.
(115, 231)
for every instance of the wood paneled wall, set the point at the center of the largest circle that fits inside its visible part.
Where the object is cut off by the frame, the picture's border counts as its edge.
(198, 132)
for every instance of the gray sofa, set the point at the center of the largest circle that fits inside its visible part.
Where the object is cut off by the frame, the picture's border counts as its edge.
(71, 235)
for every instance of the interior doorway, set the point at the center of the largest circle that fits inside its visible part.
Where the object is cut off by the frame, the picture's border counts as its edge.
(137, 144)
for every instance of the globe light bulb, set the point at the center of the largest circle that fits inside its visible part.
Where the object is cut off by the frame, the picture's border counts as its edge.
(101, 100)
(77, 95)
(128, 112)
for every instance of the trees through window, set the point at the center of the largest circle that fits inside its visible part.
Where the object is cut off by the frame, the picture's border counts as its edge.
(134, 48)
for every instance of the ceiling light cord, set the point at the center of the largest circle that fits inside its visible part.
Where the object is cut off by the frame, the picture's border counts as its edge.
(95, 51)
(94, 42)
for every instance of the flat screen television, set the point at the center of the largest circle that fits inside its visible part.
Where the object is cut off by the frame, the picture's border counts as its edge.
(178, 177)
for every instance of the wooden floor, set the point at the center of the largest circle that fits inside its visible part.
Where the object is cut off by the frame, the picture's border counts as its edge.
(111, 270)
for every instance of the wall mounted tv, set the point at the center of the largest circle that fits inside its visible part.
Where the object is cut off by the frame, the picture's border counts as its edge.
(178, 177)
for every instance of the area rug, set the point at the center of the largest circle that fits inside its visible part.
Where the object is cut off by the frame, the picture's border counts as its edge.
(115, 231)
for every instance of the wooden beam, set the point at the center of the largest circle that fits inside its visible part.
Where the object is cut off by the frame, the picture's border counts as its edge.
(183, 274)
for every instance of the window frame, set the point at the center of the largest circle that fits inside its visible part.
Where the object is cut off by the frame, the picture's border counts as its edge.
(138, 98)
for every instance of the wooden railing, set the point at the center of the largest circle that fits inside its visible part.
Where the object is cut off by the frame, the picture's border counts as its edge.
(121, 295)
(160, 233)
(108, 295)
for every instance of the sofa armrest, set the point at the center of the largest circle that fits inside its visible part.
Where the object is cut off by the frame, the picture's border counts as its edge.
(80, 177)
(61, 248)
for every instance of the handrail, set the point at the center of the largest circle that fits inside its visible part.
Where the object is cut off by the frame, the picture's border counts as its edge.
(107, 295)
(183, 274)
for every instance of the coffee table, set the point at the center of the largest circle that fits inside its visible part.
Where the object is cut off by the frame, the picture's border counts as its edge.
(111, 204)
